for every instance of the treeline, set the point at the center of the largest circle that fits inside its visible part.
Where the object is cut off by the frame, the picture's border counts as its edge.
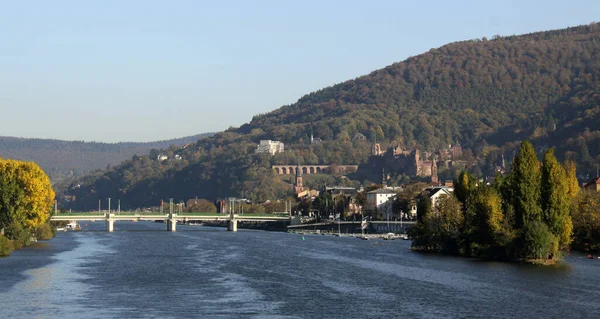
(67, 159)
(487, 95)
(26, 198)
(525, 215)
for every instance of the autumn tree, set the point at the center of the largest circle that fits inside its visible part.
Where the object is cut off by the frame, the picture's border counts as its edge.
(26, 195)
(572, 183)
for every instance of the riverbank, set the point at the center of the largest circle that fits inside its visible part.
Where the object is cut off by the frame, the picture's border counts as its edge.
(387, 236)
(17, 237)
(535, 262)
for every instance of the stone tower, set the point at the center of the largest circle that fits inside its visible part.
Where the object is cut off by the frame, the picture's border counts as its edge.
(298, 188)
(434, 172)
(416, 163)
(375, 149)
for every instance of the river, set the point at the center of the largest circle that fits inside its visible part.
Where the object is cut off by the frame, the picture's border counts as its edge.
(142, 271)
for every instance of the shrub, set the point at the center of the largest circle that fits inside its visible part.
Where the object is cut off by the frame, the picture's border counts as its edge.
(44, 232)
(6, 246)
(539, 242)
(19, 235)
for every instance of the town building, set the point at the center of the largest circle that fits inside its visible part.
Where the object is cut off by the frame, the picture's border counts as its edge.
(593, 184)
(271, 147)
(341, 190)
(436, 193)
(359, 137)
(314, 140)
(379, 198)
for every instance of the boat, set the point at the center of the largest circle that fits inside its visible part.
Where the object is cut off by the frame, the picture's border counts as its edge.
(195, 224)
(73, 225)
(61, 229)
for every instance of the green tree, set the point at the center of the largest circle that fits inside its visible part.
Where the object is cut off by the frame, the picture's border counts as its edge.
(200, 205)
(555, 199)
(538, 242)
(525, 183)
(586, 221)
(583, 154)
(484, 220)
(44, 232)
(421, 233)
(6, 246)
(19, 235)
(404, 201)
(463, 185)
(449, 219)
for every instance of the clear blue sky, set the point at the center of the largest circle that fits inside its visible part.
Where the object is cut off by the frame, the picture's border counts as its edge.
(142, 70)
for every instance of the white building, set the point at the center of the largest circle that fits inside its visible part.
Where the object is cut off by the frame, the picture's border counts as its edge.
(435, 193)
(380, 199)
(162, 157)
(271, 147)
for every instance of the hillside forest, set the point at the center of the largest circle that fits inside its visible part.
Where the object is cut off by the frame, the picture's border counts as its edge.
(65, 160)
(487, 95)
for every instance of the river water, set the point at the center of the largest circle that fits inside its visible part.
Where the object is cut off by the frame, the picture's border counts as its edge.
(142, 271)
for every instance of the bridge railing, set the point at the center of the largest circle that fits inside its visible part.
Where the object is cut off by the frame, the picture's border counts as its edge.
(158, 214)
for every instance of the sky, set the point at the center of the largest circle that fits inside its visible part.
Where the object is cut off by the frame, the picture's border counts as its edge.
(144, 70)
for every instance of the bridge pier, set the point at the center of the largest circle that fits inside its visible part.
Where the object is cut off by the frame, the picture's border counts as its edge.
(172, 222)
(110, 223)
(232, 226)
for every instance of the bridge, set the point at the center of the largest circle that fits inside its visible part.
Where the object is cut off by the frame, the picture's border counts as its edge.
(311, 169)
(170, 218)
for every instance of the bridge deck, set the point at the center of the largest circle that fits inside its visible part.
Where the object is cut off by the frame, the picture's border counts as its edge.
(187, 216)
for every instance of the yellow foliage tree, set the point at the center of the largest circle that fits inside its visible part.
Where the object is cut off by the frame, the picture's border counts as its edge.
(26, 194)
(572, 182)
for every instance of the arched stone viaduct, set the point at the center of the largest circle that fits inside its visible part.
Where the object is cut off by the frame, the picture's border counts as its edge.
(310, 169)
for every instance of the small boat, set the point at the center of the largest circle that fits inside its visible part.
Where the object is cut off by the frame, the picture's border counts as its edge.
(195, 224)
(73, 225)
(61, 229)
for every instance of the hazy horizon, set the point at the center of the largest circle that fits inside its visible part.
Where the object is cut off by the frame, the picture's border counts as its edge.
(141, 71)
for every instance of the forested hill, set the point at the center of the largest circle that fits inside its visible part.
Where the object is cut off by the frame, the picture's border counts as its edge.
(486, 94)
(459, 92)
(63, 159)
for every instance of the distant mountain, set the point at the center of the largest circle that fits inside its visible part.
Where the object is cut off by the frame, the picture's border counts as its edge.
(486, 94)
(64, 159)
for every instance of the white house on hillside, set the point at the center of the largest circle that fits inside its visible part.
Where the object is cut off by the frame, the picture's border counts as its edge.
(271, 147)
